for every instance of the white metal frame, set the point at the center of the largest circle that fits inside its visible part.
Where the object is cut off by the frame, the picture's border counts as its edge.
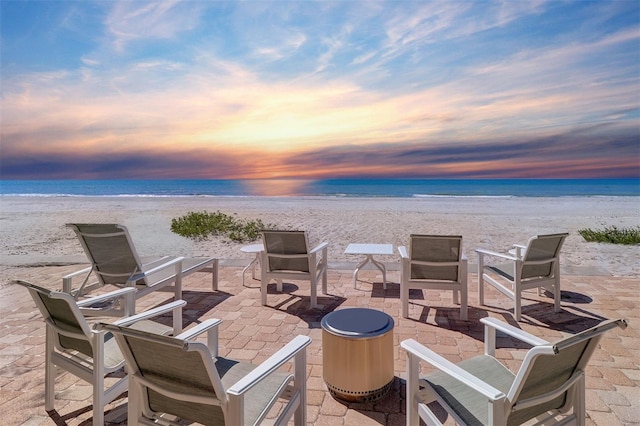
(92, 370)
(232, 403)
(513, 288)
(143, 270)
(317, 259)
(500, 405)
(459, 286)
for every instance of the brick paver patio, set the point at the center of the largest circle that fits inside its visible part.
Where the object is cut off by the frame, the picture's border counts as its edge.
(252, 332)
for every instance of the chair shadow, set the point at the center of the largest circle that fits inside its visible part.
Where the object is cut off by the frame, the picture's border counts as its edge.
(301, 306)
(113, 416)
(572, 319)
(198, 303)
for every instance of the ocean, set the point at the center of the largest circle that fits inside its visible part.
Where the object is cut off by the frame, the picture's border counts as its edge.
(394, 188)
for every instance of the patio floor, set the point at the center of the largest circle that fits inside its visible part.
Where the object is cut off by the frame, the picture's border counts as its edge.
(252, 332)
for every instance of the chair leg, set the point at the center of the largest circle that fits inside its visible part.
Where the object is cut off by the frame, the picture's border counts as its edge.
(413, 370)
(214, 274)
(464, 304)
(263, 290)
(300, 379)
(49, 373)
(579, 404)
(480, 279)
(99, 399)
(518, 303)
(314, 293)
(404, 300)
(134, 408)
(324, 280)
(557, 295)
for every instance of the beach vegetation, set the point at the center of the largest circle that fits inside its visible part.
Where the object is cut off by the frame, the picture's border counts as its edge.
(202, 225)
(612, 234)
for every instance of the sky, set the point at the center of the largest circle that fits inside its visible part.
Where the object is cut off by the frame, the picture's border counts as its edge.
(319, 89)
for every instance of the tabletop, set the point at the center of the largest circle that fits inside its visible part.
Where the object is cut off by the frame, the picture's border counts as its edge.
(253, 248)
(358, 248)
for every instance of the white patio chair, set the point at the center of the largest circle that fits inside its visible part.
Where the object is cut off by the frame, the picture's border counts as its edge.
(434, 262)
(286, 255)
(177, 379)
(534, 266)
(549, 385)
(73, 346)
(114, 261)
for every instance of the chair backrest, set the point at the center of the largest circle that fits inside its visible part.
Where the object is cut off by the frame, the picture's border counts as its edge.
(71, 330)
(541, 255)
(286, 250)
(110, 250)
(435, 257)
(178, 377)
(550, 368)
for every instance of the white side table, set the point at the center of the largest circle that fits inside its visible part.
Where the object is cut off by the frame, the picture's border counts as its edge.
(370, 250)
(255, 249)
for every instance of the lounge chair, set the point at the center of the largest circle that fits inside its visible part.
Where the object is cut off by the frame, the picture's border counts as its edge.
(481, 391)
(72, 345)
(434, 262)
(176, 376)
(286, 255)
(536, 265)
(114, 260)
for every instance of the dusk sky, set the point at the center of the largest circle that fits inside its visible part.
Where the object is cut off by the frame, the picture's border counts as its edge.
(266, 89)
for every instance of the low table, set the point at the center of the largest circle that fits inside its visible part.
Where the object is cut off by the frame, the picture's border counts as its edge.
(357, 354)
(255, 249)
(370, 250)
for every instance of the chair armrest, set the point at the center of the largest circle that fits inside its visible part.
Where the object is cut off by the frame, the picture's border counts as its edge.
(319, 247)
(414, 348)
(271, 364)
(211, 327)
(518, 250)
(495, 253)
(165, 265)
(153, 262)
(199, 329)
(404, 254)
(512, 331)
(175, 306)
(112, 294)
(493, 324)
(67, 280)
(75, 274)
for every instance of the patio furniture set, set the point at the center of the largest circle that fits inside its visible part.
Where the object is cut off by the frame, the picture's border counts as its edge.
(171, 376)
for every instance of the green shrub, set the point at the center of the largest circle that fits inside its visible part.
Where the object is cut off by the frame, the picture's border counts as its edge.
(612, 235)
(202, 225)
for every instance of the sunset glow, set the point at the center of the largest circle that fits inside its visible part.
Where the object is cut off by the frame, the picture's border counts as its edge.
(286, 89)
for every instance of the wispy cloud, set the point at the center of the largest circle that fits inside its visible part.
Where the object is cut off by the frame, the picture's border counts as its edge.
(392, 88)
(130, 21)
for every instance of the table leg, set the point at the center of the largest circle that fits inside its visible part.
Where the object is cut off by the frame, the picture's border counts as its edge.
(380, 266)
(253, 265)
(377, 264)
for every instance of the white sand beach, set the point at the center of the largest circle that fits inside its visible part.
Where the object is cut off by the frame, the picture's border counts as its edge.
(34, 232)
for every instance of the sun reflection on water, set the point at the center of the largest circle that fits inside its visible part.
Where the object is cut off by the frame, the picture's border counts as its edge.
(276, 187)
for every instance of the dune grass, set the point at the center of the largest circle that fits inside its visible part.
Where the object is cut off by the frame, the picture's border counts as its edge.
(202, 225)
(612, 235)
